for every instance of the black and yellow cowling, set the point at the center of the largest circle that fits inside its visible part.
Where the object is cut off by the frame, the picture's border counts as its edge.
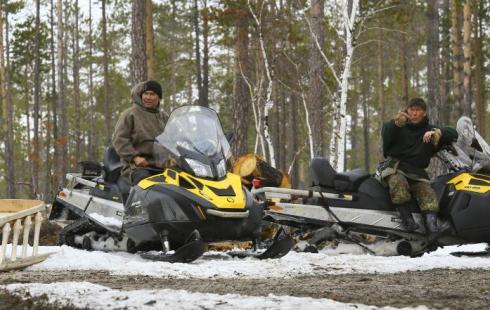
(175, 203)
(466, 202)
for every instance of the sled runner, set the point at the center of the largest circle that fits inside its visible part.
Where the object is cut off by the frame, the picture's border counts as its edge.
(18, 217)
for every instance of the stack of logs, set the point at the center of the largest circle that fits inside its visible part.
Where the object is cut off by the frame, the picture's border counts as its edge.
(251, 166)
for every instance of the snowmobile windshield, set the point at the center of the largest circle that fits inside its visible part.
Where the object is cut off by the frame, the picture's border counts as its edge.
(470, 152)
(194, 136)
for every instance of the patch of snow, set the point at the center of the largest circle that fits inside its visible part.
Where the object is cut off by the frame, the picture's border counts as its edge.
(220, 265)
(106, 221)
(94, 296)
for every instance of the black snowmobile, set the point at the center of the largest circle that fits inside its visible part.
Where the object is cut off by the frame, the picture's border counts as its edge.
(194, 201)
(353, 205)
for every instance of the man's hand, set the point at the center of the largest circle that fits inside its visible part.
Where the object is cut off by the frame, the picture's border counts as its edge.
(401, 119)
(140, 161)
(428, 136)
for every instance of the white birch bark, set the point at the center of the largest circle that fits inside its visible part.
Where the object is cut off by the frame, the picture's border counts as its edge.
(268, 101)
(337, 144)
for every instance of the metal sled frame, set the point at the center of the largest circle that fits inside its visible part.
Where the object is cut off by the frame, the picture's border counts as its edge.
(323, 215)
(18, 216)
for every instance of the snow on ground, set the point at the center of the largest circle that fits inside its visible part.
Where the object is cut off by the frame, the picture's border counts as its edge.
(219, 265)
(93, 296)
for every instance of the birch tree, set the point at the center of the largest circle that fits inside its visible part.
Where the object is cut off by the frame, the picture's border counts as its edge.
(269, 104)
(337, 142)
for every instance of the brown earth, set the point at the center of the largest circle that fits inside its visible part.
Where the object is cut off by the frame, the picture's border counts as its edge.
(440, 288)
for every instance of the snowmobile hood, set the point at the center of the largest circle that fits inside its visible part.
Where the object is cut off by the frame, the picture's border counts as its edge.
(471, 182)
(226, 193)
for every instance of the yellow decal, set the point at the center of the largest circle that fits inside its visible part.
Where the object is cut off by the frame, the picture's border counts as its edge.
(226, 193)
(476, 183)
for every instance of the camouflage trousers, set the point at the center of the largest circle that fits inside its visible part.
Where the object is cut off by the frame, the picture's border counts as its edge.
(402, 189)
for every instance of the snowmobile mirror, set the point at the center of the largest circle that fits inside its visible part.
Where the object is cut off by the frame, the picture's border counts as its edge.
(476, 145)
(230, 136)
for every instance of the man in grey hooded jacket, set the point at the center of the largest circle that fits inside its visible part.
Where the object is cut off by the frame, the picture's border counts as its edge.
(137, 129)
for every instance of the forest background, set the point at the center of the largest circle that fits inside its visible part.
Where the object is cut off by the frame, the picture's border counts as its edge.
(293, 79)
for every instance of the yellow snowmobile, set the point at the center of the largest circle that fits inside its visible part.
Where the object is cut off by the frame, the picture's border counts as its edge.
(190, 203)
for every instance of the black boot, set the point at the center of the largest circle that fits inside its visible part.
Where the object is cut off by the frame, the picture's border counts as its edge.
(406, 216)
(431, 222)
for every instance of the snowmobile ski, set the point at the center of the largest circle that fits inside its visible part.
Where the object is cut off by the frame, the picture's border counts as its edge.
(189, 252)
(281, 245)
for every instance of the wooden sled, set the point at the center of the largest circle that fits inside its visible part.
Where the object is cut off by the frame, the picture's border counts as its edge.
(17, 217)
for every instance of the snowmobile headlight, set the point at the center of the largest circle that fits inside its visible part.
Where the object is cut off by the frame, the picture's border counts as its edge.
(200, 169)
(221, 167)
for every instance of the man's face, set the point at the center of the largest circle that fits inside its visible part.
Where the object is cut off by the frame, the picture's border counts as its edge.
(416, 114)
(150, 99)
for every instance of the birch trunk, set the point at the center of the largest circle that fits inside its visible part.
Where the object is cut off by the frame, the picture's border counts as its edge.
(269, 104)
(339, 133)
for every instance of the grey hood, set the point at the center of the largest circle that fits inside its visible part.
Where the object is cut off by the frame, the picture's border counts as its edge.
(136, 93)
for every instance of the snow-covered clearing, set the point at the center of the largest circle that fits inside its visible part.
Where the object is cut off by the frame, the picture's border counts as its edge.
(93, 296)
(219, 265)
(215, 265)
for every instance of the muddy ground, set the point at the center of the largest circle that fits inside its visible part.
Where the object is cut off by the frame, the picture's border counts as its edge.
(441, 288)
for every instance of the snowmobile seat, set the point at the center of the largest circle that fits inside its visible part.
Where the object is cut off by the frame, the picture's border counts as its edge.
(321, 172)
(112, 165)
(323, 175)
(351, 180)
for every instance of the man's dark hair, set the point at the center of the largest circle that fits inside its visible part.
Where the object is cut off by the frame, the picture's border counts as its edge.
(417, 102)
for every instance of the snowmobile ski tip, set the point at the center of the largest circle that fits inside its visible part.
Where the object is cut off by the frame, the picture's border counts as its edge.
(281, 246)
(189, 252)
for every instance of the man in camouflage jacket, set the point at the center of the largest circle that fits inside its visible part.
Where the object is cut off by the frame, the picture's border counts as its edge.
(136, 130)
